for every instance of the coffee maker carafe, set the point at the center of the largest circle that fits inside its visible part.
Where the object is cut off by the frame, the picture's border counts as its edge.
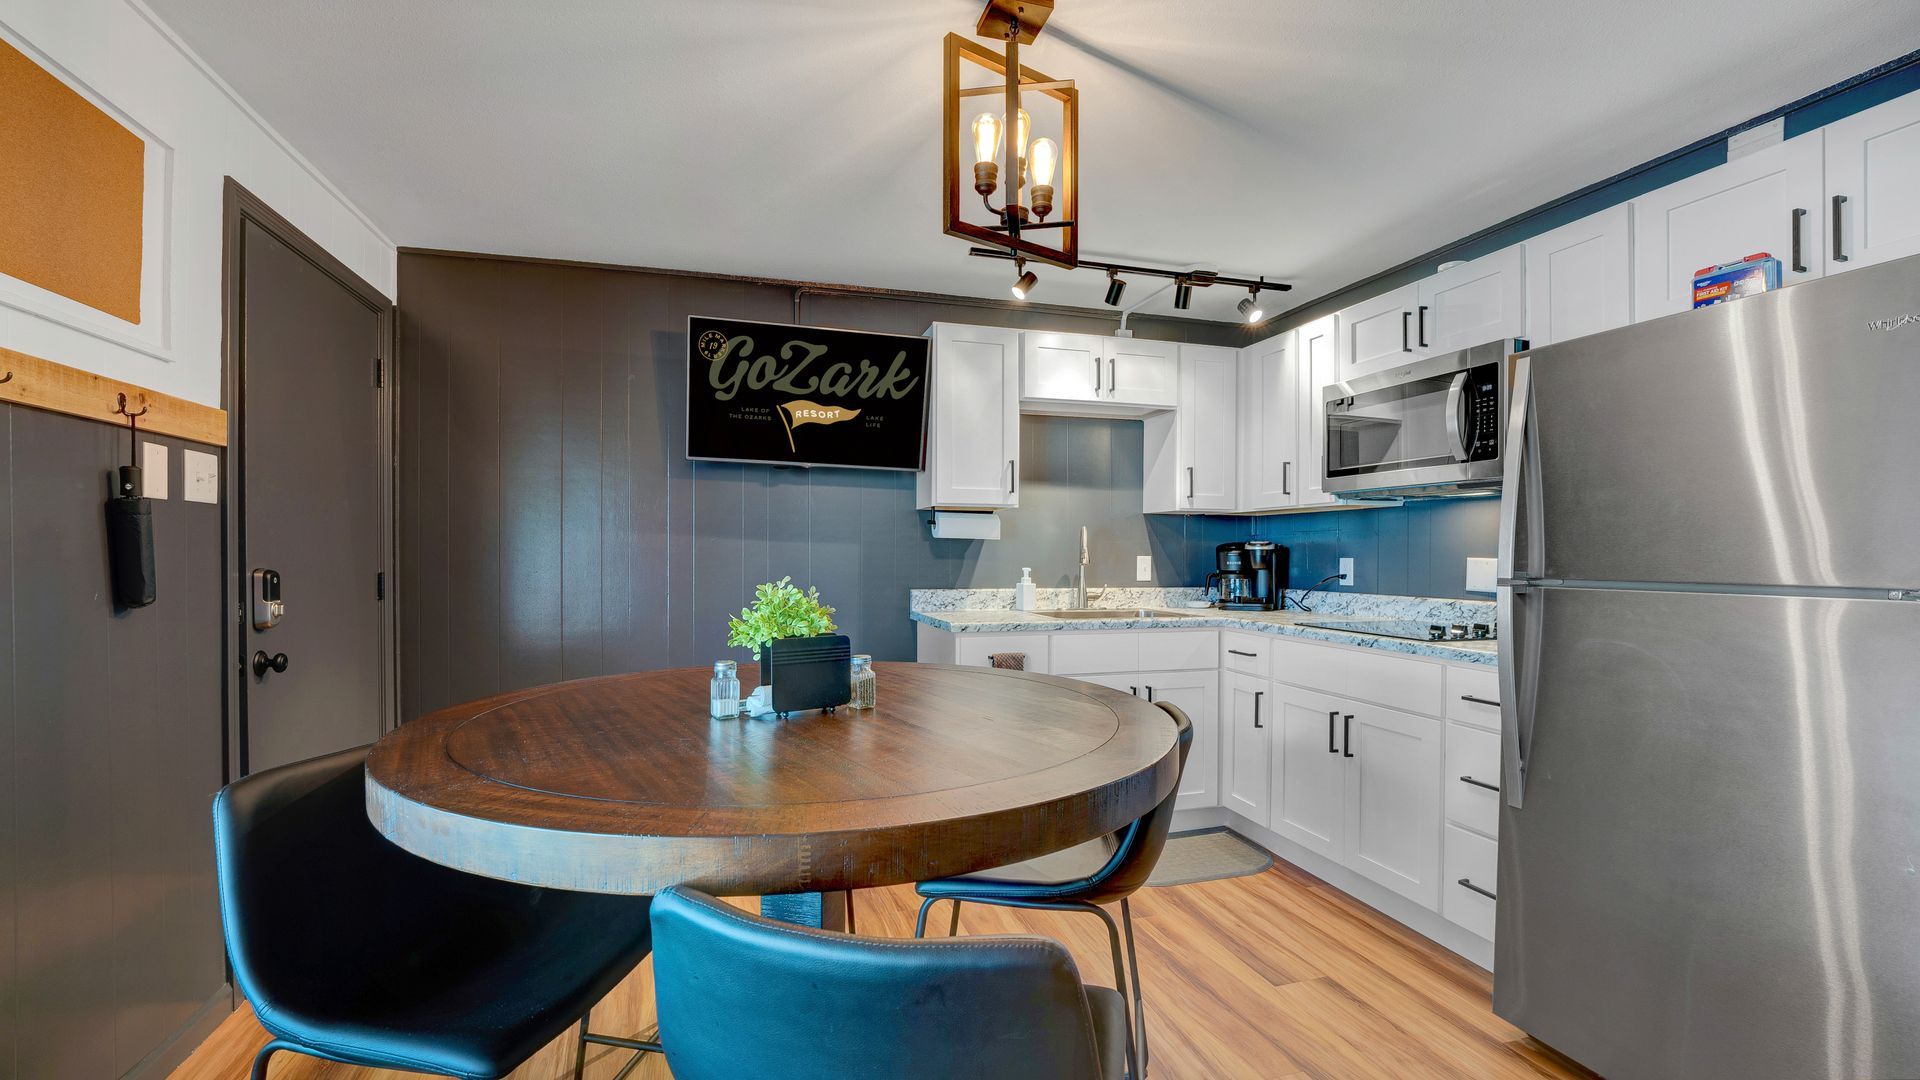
(1250, 575)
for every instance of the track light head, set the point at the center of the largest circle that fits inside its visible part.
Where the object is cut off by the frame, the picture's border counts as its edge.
(1115, 287)
(1026, 282)
(1182, 293)
(1251, 309)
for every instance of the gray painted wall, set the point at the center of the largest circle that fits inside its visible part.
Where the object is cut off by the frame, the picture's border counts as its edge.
(1419, 549)
(111, 738)
(552, 527)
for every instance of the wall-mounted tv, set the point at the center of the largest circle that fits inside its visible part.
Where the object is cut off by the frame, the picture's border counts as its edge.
(781, 394)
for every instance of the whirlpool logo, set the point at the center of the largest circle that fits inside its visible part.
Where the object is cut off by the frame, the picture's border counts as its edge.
(1895, 323)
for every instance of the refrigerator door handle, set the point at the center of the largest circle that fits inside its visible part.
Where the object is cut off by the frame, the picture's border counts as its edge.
(1455, 429)
(1519, 651)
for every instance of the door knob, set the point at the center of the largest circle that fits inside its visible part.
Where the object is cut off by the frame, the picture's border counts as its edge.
(262, 663)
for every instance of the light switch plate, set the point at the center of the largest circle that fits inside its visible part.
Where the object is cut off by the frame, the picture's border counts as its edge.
(202, 476)
(1143, 568)
(153, 470)
(1480, 575)
(1346, 572)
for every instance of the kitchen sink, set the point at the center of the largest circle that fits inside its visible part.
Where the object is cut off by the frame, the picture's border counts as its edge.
(1115, 613)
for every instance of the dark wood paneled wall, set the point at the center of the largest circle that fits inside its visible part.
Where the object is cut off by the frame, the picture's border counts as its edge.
(110, 735)
(551, 526)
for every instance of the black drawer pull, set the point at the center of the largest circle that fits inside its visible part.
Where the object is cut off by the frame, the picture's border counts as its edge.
(1479, 783)
(1237, 652)
(1256, 708)
(1332, 717)
(1479, 700)
(1467, 883)
(1346, 737)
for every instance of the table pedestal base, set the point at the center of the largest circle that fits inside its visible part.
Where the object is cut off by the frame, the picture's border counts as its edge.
(828, 911)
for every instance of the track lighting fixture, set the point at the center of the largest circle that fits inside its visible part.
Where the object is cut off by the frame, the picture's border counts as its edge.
(1023, 284)
(1251, 309)
(1182, 293)
(1115, 287)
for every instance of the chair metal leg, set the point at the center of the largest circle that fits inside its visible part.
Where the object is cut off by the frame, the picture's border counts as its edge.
(580, 1049)
(1119, 984)
(267, 1051)
(920, 924)
(953, 928)
(850, 926)
(1133, 972)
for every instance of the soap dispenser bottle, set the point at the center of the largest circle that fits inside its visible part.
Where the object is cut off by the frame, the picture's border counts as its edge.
(1023, 591)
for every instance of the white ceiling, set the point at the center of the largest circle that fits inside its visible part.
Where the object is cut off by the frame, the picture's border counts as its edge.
(1310, 141)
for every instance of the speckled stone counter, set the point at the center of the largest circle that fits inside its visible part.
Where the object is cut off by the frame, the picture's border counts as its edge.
(983, 611)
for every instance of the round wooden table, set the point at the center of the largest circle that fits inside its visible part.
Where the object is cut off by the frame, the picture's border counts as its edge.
(622, 784)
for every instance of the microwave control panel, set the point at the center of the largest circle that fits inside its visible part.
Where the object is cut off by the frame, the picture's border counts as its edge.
(1483, 413)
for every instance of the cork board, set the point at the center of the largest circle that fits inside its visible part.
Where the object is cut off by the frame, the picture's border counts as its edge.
(71, 192)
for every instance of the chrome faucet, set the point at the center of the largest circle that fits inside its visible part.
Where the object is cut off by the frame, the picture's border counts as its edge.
(1080, 597)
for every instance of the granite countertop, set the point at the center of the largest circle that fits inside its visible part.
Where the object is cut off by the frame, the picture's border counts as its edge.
(932, 608)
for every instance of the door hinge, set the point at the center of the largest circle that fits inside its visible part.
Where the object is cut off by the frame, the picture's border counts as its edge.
(379, 371)
(380, 585)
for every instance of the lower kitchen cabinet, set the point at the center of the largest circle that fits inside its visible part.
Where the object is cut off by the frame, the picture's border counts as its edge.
(1245, 747)
(1393, 800)
(1309, 774)
(1467, 896)
(1196, 693)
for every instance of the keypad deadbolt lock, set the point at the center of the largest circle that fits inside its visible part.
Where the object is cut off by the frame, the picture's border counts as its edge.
(267, 605)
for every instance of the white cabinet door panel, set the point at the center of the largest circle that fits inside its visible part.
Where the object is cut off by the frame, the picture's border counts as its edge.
(1209, 386)
(1725, 214)
(973, 457)
(1271, 411)
(1377, 333)
(1141, 372)
(1195, 693)
(1470, 864)
(1393, 800)
(1309, 785)
(1318, 350)
(1873, 181)
(1062, 367)
(1580, 277)
(1245, 777)
(1473, 778)
(1472, 304)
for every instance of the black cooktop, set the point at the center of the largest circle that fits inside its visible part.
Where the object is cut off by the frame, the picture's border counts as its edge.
(1408, 629)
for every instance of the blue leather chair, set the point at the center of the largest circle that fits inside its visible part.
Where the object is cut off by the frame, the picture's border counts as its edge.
(353, 950)
(745, 996)
(1103, 871)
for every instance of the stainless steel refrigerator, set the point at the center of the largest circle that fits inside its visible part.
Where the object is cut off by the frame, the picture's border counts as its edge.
(1710, 666)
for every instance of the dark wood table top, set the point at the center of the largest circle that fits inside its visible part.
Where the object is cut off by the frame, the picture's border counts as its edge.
(622, 784)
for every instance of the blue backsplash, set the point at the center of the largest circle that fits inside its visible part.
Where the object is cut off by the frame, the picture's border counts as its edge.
(1419, 549)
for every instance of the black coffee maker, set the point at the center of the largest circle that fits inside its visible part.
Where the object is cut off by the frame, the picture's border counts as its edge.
(1250, 575)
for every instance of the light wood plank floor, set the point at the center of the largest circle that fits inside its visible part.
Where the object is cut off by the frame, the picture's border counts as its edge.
(1271, 976)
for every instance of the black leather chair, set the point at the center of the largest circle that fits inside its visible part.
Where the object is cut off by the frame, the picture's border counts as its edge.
(745, 996)
(353, 950)
(1103, 871)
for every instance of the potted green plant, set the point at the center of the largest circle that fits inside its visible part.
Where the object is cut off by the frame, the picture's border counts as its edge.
(792, 634)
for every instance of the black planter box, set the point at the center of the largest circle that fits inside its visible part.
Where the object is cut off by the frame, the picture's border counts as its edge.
(808, 672)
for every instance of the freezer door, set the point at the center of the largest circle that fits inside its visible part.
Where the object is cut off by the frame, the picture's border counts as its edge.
(1714, 873)
(1768, 441)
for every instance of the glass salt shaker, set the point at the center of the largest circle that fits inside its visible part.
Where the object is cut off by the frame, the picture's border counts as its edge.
(723, 693)
(863, 682)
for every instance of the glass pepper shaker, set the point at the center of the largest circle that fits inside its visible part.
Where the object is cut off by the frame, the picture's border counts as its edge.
(863, 682)
(723, 693)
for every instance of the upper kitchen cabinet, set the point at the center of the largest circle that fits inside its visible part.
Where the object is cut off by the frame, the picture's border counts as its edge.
(1319, 343)
(1472, 303)
(1271, 412)
(973, 420)
(1580, 277)
(1873, 185)
(1190, 451)
(1467, 304)
(1768, 201)
(1092, 375)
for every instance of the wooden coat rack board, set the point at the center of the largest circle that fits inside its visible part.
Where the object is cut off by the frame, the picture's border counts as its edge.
(43, 384)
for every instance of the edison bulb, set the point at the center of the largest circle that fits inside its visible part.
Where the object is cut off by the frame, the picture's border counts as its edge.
(986, 137)
(1022, 124)
(1043, 159)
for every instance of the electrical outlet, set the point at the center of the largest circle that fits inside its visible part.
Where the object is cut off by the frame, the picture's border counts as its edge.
(1143, 568)
(1346, 572)
(1480, 575)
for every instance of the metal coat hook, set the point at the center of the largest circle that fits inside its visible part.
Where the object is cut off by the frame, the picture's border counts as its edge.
(133, 449)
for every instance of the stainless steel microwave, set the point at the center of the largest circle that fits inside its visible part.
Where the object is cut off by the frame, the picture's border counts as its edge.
(1434, 427)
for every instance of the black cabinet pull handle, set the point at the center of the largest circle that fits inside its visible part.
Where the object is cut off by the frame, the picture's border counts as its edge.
(1149, 693)
(1332, 716)
(1096, 376)
(1113, 377)
(1286, 478)
(1479, 783)
(1134, 690)
(1189, 483)
(1256, 708)
(1406, 325)
(1467, 883)
(1346, 737)
(1838, 202)
(1237, 652)
(1479, 700)
(1799, 264)
(1013, 473)
(1423, 326)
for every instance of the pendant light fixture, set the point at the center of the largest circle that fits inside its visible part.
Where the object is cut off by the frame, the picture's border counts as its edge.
(1024, 284)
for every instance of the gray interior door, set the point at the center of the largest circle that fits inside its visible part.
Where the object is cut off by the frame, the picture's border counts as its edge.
(311, 505)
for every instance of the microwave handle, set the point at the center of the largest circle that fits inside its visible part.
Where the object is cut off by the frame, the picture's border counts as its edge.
(1455, 429)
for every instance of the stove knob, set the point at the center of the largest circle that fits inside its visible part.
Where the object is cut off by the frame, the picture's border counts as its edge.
(1482, 630)
(1436, 632)
(1458, 631)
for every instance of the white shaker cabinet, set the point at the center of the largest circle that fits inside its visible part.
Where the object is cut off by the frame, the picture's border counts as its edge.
(1873, 185)
(1768, 201)
(1393, 799)
(1377, 333)
(1309, 805)
(1318, 350)
(1190, 452)
(1472, 303)
(1271, 414)
(1063, 367)
(973, 420)
(1580, 277)
(1142, 372)
(1196, 693)
(1246, 707)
